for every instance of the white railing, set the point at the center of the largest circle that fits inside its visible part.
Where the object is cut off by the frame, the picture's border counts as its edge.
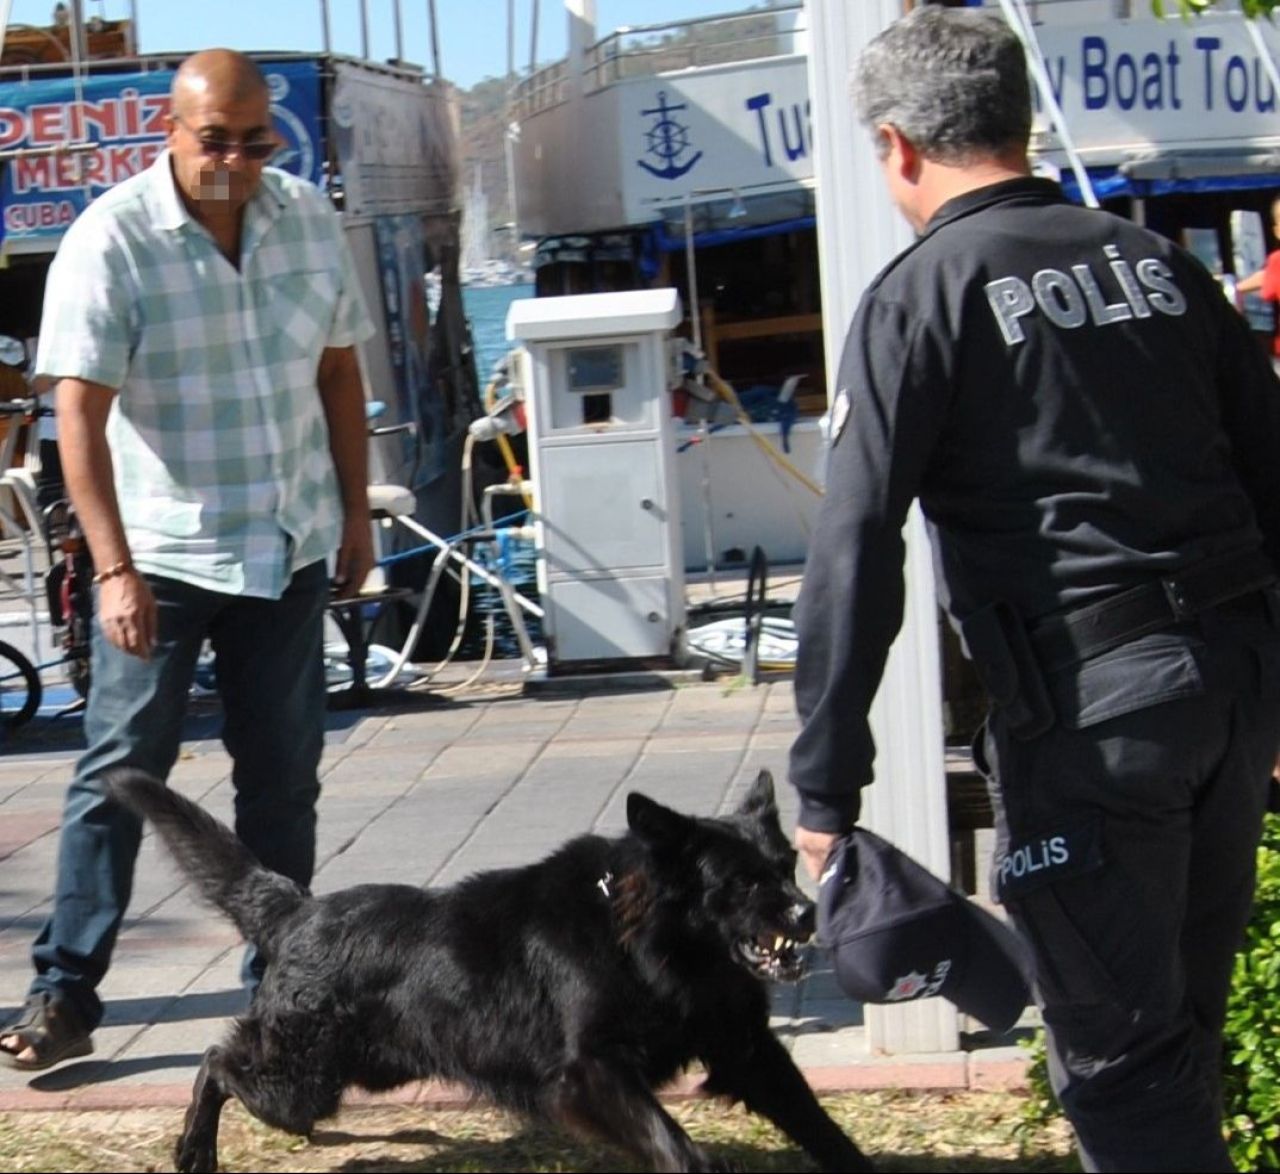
(693, 44)
(645, 50)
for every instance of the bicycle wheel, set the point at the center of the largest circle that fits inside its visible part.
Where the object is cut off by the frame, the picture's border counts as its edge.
(19, 688)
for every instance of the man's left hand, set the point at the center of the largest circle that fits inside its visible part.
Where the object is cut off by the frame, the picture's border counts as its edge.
(355, 557)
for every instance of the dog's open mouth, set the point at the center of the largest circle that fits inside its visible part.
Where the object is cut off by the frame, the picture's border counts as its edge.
(772, 957)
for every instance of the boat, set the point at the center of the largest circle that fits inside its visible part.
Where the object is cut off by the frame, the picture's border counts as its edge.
(691, 147)
(479, 267)
(495, 271)
(83, 106)
(689, 144)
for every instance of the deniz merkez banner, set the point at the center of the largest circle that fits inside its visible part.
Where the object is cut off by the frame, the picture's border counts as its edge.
(124, 116)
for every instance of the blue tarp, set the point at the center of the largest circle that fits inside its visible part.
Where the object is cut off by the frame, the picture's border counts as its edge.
(1110, 183)
(669, 243)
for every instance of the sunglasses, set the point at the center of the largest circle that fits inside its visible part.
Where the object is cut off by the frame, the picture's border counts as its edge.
(254, 150)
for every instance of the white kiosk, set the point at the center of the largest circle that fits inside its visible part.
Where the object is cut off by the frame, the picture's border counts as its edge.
(602, 449)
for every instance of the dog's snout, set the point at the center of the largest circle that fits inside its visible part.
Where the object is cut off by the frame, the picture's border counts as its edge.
(802, 918)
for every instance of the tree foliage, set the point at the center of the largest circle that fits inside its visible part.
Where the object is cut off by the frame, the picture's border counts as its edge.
(1252, 1073)
(1251, 8)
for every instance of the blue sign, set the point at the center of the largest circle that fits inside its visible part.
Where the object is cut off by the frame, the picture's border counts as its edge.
(124, 117)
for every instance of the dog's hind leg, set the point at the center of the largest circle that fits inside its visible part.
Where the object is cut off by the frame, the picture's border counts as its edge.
(196, 1151)
(616, 1105)
(280, 1084)
(765, 1079)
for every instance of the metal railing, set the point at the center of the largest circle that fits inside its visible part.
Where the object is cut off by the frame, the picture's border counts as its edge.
(541, 90)
(77, 57)
(646, 50)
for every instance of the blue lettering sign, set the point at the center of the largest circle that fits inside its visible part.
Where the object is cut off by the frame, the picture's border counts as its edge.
(1208, 46)
(1125, 82)
(758, 103)
(794, 127)
(1093, 56)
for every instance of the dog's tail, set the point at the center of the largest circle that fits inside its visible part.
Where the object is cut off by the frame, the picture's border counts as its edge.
(225, 872)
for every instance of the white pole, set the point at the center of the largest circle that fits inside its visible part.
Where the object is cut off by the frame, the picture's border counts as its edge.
(511, 39)
(1263, 51)
(76, 130)
(435, 38)
(533, 38)
(6, 7)
(1015, 15)
(704, 432)
(399, 32)
(508, 146)
(859, 232)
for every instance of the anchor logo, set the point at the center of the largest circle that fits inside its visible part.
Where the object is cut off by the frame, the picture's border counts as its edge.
(668, 140)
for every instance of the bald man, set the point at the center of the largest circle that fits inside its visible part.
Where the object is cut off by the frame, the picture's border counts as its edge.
(200, 320)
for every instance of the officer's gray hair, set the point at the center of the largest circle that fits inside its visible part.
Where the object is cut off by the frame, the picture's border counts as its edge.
(953, 81)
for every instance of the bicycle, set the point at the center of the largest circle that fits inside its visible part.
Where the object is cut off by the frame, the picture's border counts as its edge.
(20, 688)
(68, 588)
(69, 591)
(52, 538)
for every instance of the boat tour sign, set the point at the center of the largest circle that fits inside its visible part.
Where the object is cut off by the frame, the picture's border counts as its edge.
(1129, 90)
(120, 121)
(1126, 87)
(744, 128)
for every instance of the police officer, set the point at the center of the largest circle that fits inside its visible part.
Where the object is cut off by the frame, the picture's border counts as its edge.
(1091, 435)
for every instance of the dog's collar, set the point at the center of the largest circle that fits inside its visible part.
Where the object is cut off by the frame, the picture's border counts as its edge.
(603, 884)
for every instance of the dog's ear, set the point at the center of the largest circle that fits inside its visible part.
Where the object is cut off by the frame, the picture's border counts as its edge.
(759, 801)
(652, 822)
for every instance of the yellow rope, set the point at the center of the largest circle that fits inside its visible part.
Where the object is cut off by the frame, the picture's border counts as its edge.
(514, 470)
(770, 450)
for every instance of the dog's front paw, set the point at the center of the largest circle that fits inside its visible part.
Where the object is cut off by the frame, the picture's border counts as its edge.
(195, 1155)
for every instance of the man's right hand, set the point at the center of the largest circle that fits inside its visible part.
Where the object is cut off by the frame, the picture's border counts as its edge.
(127, 612)
(814, 848)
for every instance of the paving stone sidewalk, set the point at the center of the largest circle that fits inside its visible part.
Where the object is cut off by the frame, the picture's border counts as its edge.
(423, 789)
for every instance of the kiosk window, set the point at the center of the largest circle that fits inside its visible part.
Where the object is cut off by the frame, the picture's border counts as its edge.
(594, 369)
(595, 372)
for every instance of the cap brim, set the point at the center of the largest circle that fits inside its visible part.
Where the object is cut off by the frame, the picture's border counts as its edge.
(995, 983)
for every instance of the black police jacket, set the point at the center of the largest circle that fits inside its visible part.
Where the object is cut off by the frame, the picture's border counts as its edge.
(1078, 409)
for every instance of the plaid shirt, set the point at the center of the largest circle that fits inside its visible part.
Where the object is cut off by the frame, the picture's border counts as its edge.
(219, 443)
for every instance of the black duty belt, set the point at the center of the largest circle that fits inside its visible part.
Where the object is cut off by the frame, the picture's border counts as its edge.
(1074, 636)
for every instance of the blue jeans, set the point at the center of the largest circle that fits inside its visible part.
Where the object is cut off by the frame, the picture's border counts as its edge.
(270, 677)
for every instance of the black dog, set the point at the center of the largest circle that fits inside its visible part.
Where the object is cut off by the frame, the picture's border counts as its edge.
(568, 989)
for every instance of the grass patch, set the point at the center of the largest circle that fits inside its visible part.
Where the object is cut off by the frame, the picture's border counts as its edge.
(962, 1131)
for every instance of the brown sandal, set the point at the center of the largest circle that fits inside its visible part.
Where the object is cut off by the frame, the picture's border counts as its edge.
(51, 1028)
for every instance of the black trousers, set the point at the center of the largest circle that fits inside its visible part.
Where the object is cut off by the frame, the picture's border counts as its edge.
(1126, 852)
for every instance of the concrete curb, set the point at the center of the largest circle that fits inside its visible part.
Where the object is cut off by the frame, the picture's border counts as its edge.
(970, 1071)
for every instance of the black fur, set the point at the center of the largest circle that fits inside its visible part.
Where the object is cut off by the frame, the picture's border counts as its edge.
(568, 989)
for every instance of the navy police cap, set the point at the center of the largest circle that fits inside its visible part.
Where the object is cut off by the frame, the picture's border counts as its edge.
(896, 932)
